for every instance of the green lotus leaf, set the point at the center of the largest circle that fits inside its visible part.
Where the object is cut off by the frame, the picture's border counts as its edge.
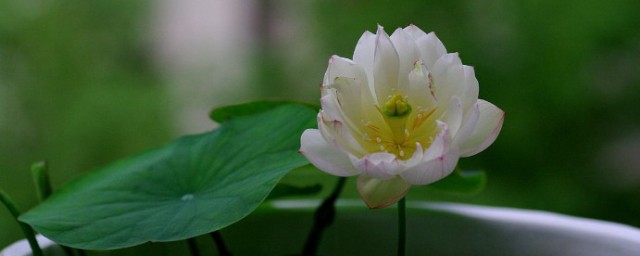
(192, 186)
(225, 113)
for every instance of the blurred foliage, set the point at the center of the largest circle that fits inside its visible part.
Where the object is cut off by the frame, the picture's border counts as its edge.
(77, 88)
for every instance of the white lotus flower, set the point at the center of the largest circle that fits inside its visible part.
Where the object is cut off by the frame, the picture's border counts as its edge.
(400, 113)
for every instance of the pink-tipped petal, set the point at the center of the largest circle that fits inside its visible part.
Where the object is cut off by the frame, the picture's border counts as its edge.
(349, 97)
(335, 113)
(415, 32)
(431, 171)
(325, 156)
(439, 161)
(486, 130)
(378, 194)
(338, 135)
(382, 166)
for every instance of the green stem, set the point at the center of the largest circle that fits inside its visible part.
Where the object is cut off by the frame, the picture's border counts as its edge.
(41, 179)
(40, 172)
(26, 229)
(220, 245)
(193, 247)
(402, 227)
(67, 250)
(324, 216)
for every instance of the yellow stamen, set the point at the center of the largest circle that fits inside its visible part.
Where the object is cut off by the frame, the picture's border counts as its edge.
(421, 117)
(400, 134)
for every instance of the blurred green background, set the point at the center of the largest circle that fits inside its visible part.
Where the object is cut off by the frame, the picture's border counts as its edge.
(84, 83)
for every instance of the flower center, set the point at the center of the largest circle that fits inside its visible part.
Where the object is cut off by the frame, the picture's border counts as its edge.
(396, 106)
(404, 128)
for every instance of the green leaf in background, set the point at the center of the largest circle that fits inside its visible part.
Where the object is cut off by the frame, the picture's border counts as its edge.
(465, 182)
(225, 113)
(195, 185)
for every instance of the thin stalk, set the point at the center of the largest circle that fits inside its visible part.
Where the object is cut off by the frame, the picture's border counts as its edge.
(67, 250)
(323, 218)
(402, 227)
(220, 245)
(193, 247)
(40, 172)
(41, 179)
(26, 229)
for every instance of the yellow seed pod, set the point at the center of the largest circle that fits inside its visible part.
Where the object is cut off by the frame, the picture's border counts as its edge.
(396, 106)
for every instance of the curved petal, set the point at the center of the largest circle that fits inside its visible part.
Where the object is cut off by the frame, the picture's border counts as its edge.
(382, 166)
(469, 94)
(408, 55)
(416, 158)
(325, 156)
(430, 47)
(336, 126)
(378, 194)
(440, 144)
(364, 52)
(453, 116)
(331, 108)
(420, 86)
(348, 97)
(448, 78)
(468, 124)
(439, 161)
(415, 32)
(349, 100)
(343, 67)
(486, 131)
(337, 134)
(385, 67)
(432, 171)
